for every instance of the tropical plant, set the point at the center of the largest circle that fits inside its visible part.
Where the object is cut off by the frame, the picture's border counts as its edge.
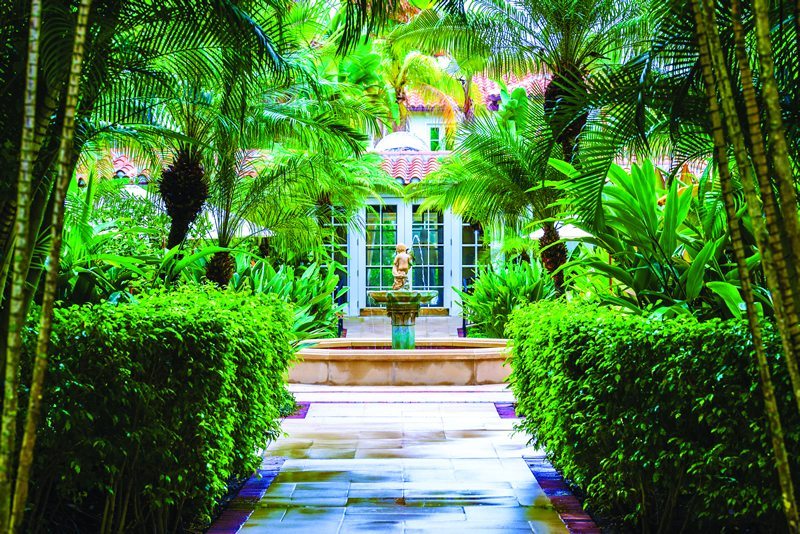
(498, 175)
(666, 247)
(763, 165)
(313, 290)
(565, 39)
(498, 291)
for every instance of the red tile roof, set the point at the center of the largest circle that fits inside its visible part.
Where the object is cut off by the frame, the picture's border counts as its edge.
(411, 166)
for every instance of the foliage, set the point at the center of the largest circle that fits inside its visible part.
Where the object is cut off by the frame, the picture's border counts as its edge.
(152, 406)
(312, 290)
(664, 247)
(658, 421)
(498, 291)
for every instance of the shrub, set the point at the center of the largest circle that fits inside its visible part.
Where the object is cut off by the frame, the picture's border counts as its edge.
(497, 291)
(312, 289)
(152, 407)
(660, 422)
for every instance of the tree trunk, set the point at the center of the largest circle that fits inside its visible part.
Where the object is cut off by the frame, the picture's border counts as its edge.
(65, 169)
(17, 304)
(767, 387)
(566, 134)
(769, 238)
(221, 268)
(789, 245)
(553, 254)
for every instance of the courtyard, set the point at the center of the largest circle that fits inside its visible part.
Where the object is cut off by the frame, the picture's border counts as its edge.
(333, 266)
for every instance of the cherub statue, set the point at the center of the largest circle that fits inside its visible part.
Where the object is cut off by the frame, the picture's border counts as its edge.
(401, 266)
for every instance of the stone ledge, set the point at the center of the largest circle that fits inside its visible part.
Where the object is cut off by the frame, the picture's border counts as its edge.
(357, 362)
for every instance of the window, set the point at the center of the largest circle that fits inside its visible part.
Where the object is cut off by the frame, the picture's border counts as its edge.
(335, 243)
(473, 251)
(436, 138)
(427, 243)
(381, 237)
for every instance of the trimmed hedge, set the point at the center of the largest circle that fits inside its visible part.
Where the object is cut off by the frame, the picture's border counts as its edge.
(153, 407)
(660, 422)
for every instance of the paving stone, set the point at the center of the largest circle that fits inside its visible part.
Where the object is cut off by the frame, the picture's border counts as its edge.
(393, 467)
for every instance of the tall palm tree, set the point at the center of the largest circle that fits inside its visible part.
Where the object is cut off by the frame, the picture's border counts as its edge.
(565, 39)
(498, 175)
(409, 71)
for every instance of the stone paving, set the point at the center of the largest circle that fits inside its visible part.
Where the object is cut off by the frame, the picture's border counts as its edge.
(403, 460)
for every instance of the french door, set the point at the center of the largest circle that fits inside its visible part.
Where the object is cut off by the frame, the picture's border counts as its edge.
(428, 236)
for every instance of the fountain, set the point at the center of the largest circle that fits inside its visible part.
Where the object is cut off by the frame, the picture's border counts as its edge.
(403, 361)
(402, 302)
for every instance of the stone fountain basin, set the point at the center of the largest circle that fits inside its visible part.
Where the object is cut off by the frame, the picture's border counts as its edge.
(372, 362)
(403, 296)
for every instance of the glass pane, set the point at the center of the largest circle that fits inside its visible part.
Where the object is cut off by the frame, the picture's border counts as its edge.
(468, 275)
(374, 256)
(388, 256)
(388, 279)
(372, 216)
(418, 278)
(468, 256)
(373, 277)
(435, 256)
(437, 277)
(390, 236)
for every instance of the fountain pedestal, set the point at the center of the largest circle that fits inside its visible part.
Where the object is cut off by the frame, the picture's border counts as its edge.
(402, 307)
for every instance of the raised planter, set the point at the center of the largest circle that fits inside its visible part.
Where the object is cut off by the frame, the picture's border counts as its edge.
(372, 362)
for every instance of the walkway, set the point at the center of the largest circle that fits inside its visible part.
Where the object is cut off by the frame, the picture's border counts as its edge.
(415, 459)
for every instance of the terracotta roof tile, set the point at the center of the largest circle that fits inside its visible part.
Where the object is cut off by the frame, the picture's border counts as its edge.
(411, 166)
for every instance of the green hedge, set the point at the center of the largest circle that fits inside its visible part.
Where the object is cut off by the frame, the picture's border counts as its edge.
(660, 422)
(153, 407)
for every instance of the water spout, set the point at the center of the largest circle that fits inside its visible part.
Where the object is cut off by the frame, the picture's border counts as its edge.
(422, 258)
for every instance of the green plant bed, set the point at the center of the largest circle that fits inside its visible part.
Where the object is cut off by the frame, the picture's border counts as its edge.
(152, 407)
(660, 422)
(497, 291)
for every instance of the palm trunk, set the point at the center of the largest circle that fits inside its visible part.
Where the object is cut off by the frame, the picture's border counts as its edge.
(776, 269)
(767, 387)
(16, 318)
(553, 254)
(789, 244)
(65, 167)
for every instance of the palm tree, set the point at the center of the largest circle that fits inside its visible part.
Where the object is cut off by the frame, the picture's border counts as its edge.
(408, 71)
(280, 155)
(498, 175)
(565, 39)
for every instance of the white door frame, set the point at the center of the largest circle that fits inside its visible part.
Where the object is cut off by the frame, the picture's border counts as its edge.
(357, 263)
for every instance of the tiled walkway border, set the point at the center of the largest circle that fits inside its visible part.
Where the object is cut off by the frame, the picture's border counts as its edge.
(301, 412)
(566, 504)
(241, 507)
(506, 410)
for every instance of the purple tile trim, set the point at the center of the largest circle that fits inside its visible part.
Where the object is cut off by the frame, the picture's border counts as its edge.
(241, 507)
(569, 508)
(506, 410)
(301, 412)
